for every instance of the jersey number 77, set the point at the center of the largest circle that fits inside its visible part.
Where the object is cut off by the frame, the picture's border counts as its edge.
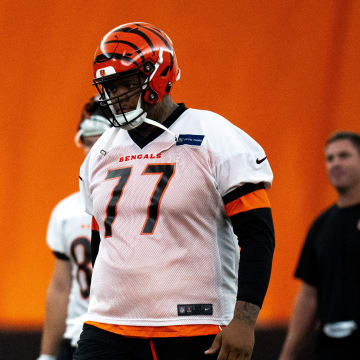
(166, 172)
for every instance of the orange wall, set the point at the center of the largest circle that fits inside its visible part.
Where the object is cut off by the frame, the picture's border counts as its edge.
(287, 72)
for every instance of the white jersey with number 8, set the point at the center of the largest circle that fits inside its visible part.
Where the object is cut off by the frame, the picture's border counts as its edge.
(68, 235)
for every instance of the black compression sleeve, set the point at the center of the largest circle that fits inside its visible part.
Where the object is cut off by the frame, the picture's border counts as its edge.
(255, 231)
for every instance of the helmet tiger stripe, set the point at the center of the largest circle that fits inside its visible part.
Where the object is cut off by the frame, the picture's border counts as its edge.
(141, 47)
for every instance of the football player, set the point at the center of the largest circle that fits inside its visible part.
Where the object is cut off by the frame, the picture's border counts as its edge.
(68, 237)
(169, 187)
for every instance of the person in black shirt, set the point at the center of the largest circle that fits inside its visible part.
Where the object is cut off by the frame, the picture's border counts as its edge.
(329, 264)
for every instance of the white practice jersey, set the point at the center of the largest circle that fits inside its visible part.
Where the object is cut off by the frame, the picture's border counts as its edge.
(68, 236)
(168, 254)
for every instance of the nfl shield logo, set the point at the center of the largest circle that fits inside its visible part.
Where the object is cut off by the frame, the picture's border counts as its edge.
(102, 72)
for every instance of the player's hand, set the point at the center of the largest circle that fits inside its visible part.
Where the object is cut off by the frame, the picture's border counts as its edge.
(235, 342)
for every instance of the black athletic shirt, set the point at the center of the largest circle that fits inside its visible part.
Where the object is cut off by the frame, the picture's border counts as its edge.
(330, 261)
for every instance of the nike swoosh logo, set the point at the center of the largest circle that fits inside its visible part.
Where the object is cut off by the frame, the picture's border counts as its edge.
(261, 160)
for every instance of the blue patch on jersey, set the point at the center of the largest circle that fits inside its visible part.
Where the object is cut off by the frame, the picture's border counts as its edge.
(188, 139)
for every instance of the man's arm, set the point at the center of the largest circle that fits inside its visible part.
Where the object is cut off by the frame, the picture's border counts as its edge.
(248, 208)
(57, 298)
(302, 321)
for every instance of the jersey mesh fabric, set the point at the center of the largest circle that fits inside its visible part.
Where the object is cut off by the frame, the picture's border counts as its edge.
(190, 256)
(69, 233)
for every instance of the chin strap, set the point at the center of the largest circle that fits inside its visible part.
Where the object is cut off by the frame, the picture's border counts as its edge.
(161, 126)
(115, 131)
(131, 119)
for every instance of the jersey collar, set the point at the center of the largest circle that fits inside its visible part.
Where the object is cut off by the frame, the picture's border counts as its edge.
(142, 141)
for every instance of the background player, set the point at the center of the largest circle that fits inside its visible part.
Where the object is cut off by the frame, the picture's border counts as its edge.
(329, 295)
(167, 188)
(68, 236)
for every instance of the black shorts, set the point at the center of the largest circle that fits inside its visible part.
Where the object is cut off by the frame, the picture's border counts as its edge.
(66, 351)
(99, 344)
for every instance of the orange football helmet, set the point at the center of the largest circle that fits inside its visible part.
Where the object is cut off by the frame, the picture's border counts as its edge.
(135, 48)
